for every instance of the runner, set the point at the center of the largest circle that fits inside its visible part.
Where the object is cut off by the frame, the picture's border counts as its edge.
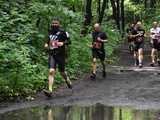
(98, 50)
(155, 43)
(138, 36)
(130, 31)
(57, 41)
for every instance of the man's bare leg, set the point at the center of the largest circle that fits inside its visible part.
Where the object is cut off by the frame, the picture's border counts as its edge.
(153, 56)
(94, 68)
(140, 57)
(67, 80)
(136, 58)
(51, 79)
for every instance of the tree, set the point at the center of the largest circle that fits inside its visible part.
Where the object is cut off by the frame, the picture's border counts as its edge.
(122, 16)
(88, 11)
(115, 11)
(102, 11)
(87, 17)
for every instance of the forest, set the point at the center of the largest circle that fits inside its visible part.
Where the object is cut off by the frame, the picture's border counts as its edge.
(24, 26)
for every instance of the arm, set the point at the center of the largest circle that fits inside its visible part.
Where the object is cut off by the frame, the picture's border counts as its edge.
(47, 43)
(65, 39)
(102, 37)
(102, 40)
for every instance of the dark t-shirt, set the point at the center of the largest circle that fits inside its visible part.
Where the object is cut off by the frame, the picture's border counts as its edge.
(130, 30)
(59, 36)
(140, 37)
(98, 44)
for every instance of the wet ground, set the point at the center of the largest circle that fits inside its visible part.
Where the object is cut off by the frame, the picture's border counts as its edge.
(96, 112)
(124, 86)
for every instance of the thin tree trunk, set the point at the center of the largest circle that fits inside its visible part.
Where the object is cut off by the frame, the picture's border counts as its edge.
(113, 9)
(152, 3)
(88, 12)
(87, 17)
(118, 14)
(145, 4)
(107, 6)
(102, 11)
(98, 7)
(122, 15)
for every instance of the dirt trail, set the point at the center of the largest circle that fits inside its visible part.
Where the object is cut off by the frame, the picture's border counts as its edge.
(138, 89)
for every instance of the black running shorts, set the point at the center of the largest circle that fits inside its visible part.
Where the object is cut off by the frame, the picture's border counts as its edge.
(155, 45)
(54, 60)
(100, 54)
(138, 46)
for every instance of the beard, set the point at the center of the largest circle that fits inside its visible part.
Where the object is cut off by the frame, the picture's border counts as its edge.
(55, 29)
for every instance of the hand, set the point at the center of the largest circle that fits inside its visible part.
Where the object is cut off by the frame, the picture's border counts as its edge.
(137, 35)
(46, 45)
(99, 39)
(60, 44)
(91, 46)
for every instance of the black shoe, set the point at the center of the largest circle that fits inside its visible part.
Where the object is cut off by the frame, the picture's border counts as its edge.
(140, 65)
(152, 65)
(136, 62)
(104, 74)
(158, 61)
(93, 76)
(47, 93)
(69, 84)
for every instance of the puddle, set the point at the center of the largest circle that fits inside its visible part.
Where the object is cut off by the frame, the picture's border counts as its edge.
(97, 112)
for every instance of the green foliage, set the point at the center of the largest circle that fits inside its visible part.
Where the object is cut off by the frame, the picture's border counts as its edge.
(24, 27)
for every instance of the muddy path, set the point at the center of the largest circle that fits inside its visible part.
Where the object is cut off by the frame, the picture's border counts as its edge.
(124, 85)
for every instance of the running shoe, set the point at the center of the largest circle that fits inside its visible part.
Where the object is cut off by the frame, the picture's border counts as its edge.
(69, 84)
(93, 76)
(140, 65)
(136, 62)
(152, 64)
(104, 74)
(47, 93)
(158, 61)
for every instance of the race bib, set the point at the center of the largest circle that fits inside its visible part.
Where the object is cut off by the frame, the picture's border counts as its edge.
(54, 44)
(140, 39)
(53, 41)
(97, 45)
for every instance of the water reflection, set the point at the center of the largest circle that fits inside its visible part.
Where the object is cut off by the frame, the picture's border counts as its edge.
(98, 112)
(50, 114)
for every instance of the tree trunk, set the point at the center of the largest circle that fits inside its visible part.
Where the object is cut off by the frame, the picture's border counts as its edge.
(118, 14)
(122, 15)
(113, 9)
(152, 3)
(98, 7)
(102, 11)
(145, 4)
(88, 12)
(107, 6)
(87, 17)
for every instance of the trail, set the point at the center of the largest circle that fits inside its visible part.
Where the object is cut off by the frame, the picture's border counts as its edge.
(124, 85)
